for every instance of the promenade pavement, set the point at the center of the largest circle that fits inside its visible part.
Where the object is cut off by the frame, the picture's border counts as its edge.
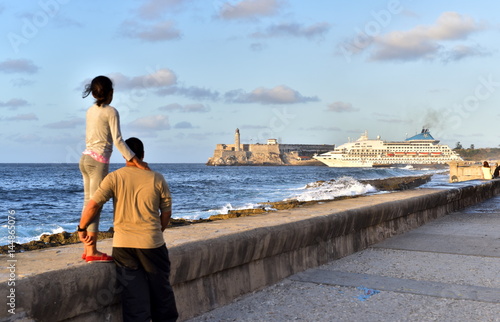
(446, 270)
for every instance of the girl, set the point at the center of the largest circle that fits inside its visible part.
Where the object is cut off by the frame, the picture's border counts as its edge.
(102, 131)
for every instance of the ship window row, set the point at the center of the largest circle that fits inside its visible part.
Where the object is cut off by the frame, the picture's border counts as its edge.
(391, 152)
(394, 150)
(376, 154)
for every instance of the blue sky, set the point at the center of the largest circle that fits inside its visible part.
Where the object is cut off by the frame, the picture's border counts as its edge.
(187, 73)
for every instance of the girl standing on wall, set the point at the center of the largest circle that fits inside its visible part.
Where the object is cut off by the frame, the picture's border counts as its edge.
(102, 131)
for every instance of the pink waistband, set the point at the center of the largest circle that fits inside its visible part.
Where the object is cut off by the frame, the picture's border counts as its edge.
(96, 156)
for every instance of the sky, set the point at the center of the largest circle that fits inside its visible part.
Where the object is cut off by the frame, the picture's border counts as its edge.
(187, 73)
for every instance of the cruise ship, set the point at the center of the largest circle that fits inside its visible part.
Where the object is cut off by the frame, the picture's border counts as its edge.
(420, 149)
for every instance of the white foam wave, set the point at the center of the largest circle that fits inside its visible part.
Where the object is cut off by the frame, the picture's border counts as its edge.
(24, 235)
(344, 186)
(224, 210)
(56, 230)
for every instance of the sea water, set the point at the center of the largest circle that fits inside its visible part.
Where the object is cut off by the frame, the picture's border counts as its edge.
(48, 198)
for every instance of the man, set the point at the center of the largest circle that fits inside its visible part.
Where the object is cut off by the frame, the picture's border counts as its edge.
(139, 250)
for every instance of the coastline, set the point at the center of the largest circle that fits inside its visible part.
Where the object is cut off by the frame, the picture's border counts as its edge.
(387, 184)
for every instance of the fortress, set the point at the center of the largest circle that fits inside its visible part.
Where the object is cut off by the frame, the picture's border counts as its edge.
(272, 153)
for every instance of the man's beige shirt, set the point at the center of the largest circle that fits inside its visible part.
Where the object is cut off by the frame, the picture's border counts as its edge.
(138, 196)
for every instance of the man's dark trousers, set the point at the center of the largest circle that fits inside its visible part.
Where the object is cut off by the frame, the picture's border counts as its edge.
(143, 275)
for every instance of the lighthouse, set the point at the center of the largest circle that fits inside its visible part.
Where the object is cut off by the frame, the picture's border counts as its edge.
(237, 140)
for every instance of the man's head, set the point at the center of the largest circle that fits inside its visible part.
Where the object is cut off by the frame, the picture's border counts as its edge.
(136, 146)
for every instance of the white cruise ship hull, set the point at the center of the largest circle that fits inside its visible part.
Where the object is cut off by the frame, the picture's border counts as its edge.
(344, 164)
(375, 163)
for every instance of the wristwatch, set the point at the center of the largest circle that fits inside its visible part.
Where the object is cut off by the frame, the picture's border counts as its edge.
(80, 229)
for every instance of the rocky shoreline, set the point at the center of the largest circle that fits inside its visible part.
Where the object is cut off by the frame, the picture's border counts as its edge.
(389, 184)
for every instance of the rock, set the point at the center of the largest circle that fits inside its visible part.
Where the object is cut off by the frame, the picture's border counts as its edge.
(179, 222)
(318, 183)
(238, 213)
(59, 239)
(185, 222)
(247, 212)
(286, 204)
(398, 183)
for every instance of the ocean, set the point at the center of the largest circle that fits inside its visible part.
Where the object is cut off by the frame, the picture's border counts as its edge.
(48, 198)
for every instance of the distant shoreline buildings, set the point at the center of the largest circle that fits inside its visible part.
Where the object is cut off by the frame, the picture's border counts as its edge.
(272, 153)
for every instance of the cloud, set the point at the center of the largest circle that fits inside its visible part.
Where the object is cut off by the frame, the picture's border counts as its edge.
(150, 123)
(64, 22)
(449, 26)
(278, 95)
(460, 52)
(161, 31)
(68, 124)
(193, 92)
(341, 107)
(188, 108)
(21, 117)
(257, 46)
(18, 66)
(294, 30)
(249, 9)
(158, 79)
(14, 103)
(422, 42)
(153, 9)
(183, 125)
(21, 82)
(163, 81)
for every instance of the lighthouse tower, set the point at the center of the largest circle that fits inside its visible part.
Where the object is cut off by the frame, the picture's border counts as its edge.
(237, 140)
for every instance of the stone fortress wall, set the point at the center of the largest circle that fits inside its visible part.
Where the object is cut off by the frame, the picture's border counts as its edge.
(272, 153)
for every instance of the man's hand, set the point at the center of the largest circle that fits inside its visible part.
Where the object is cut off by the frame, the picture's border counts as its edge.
(165, 219)
(140, 164)
(85, 238)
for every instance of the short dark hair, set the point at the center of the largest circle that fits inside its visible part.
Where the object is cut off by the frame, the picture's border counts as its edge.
(101, 88)
(136, 146)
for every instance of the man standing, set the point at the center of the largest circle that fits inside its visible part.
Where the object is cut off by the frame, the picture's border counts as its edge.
(139, 250)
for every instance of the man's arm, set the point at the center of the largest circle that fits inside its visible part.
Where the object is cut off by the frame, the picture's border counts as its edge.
(99, 198)
(165, 204)
(165, 219)
(88, 215)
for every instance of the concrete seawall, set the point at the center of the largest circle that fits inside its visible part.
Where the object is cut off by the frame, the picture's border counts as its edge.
(213, 263)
